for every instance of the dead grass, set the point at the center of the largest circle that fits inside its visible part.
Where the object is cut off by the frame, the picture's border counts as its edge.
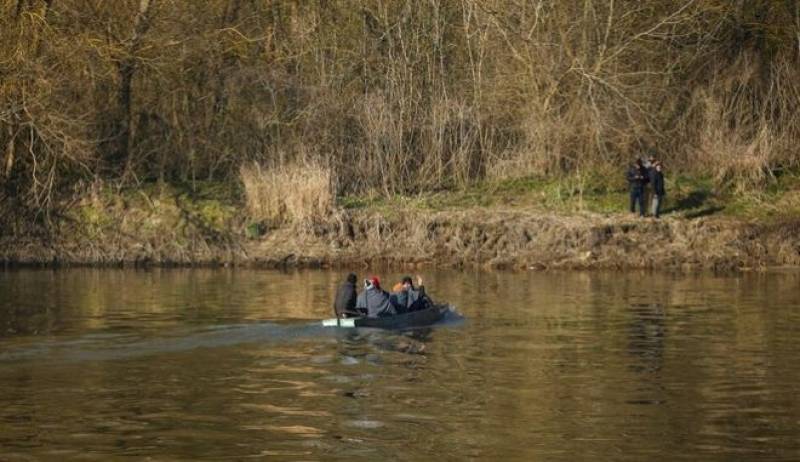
(739, 158)
(290, 193)
(524, 240)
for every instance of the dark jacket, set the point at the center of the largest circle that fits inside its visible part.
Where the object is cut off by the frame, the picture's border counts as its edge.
(410, 300)
(657, 180)
(345, 302)
(375, 302)
(636, 177)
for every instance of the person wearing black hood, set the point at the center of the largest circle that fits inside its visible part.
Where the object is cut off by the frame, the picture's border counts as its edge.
(345, 302)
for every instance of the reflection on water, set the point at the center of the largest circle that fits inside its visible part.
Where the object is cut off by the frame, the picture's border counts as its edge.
(200, 364)
(646, 332)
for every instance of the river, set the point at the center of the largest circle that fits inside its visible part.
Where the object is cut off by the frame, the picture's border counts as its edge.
(231, 365)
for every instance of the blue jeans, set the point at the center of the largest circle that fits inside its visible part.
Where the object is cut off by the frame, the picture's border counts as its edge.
(637, 196)
(657, 201)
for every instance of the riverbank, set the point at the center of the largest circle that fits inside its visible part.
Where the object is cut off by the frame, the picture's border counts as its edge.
(526, 224)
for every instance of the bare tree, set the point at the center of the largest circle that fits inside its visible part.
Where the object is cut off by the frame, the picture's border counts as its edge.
(127, 66)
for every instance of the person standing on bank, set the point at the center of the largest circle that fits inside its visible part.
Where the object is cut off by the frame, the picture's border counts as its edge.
(345, 302)
(374, 301)
(636, 180)
(657, 182)
(649, 165)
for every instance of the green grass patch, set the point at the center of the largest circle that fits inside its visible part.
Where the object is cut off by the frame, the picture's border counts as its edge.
(92, 219)
(564, 195)
(600, 192)
(157, 209)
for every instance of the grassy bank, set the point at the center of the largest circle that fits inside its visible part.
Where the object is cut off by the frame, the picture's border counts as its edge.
(576, 222)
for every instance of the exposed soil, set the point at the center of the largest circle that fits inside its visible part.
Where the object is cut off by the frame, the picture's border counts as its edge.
(513, 239)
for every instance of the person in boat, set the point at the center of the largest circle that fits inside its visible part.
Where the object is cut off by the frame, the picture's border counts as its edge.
(409, 298)
(345, 302)
(374, 301)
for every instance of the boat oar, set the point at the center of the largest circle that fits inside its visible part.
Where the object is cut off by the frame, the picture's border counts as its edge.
(338, 318)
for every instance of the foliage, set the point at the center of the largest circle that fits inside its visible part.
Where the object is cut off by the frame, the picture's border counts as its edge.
(394, 97)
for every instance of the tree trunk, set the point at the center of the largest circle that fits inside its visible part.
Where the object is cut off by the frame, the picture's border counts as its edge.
(20, 6)
(8, 160)
(127, 69)
(48, 5)
(230, 16)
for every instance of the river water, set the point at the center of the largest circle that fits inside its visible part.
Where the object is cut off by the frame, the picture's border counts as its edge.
(230, 365)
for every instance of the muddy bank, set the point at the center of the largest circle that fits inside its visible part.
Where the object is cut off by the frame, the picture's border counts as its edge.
(519, 240)
(474, 238)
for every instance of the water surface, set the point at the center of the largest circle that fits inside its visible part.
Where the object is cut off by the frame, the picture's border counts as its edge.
(230, 365)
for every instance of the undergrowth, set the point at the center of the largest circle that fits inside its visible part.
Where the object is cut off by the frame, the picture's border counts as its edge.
(163, 213)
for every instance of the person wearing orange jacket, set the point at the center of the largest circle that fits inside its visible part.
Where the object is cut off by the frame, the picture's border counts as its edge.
(409, 298)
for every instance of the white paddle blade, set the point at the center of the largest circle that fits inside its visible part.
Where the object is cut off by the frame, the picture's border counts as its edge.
(344, 322)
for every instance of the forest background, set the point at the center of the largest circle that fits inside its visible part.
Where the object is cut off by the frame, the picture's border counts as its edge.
(286, 110)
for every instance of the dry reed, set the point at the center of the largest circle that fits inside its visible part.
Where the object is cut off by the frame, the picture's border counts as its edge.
(290, 193)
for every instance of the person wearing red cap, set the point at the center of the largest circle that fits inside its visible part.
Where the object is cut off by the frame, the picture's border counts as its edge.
(374, 300)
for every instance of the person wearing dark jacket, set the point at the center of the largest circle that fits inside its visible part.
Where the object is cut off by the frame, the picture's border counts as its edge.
(636, 180)
(410, 298)
(649, 165)
(345, 302)
(374, 300)
(657, 182)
